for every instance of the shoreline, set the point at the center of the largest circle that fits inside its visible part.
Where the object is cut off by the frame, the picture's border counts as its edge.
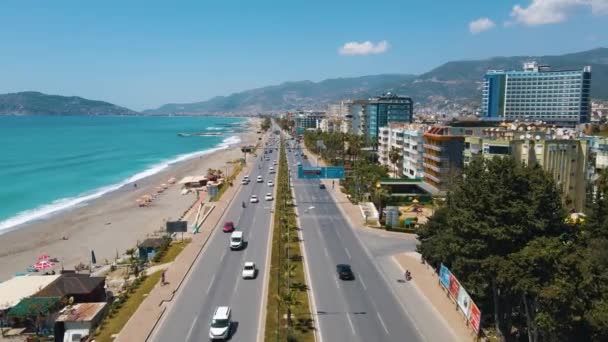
(113, 222)
(61, 205)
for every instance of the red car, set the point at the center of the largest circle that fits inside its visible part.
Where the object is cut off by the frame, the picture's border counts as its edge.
(228, 227)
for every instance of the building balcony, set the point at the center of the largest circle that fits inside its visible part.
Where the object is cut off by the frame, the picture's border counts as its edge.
(431, 177)
(434, 158)
(433, 147)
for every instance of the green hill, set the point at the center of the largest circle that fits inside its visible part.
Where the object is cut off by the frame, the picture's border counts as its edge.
(35, 103)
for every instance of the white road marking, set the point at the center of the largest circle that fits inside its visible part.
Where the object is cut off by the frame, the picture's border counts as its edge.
(362, 282)
(325, 251)
(382, 322)
(210, 283)
(337, 284)
(191, 328)
(347, 252)
(350, 322)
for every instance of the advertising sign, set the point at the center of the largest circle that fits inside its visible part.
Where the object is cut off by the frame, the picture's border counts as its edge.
(464, 301)
(475, 317)
(454, 286)
(444, 276)
(177, 226)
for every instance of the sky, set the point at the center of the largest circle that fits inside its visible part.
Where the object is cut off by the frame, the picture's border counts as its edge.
(142, 54)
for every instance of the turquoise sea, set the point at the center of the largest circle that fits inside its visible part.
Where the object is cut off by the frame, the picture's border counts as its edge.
(49, 163)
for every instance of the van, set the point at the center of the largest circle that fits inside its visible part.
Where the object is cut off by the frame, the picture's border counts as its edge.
(236, 240)
(220, 323)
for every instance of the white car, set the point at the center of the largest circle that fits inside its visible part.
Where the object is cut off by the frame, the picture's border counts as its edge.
(254, 199)
(245, 181)
(299, 164)
(249, 270)
(274, 162)
(220, 323)
(271, 170)
(270, 183)
(260, 180)
(268, 197)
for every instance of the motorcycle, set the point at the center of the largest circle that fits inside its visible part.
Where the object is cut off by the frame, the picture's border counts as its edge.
(243, 204)
(408, 276)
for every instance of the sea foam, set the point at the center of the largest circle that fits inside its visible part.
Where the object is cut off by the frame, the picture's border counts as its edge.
(80, 200)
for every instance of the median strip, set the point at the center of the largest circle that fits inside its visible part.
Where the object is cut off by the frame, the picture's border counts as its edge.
(288, 315)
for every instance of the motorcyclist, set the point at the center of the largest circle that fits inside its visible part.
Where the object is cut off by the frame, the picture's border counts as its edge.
(408, 275)
(243, 204)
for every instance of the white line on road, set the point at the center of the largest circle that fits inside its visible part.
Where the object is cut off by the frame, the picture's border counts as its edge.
(382, 322)
(350, 322)
(191, 328)
(347, 252)
(337, 283)
(211, 283)
(362, 282)
(325, 251)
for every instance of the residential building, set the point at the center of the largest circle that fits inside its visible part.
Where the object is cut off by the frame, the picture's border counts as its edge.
(442, 156)
(537, 94)
(408, 139)
(564, 159)
(331, 124)
(307, 120)
(382, 110)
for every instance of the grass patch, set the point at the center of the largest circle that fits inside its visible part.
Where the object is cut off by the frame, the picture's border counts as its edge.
(116, 320)
(230, 179)
(173, 251)
(287, 289)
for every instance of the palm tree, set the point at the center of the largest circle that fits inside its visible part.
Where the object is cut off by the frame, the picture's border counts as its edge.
(394, 156)
(288, 300)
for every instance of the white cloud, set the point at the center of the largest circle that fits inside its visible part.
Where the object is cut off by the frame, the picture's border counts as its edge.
(364, 48)
(480, 25)
(541, 12)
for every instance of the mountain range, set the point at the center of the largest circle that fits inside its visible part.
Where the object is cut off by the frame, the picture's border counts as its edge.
(457, 82)
(35, 103)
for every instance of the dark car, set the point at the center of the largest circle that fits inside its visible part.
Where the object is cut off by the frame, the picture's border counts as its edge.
(321, 186)
(228, 227)
(344, 272)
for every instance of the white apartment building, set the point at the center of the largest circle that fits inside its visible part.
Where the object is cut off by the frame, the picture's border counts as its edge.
(408, 139)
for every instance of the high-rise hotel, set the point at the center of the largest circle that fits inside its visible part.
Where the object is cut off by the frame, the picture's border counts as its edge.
(537, 94)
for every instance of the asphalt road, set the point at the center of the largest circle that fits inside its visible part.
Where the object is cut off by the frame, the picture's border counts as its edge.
(215, 279)
(364, 309)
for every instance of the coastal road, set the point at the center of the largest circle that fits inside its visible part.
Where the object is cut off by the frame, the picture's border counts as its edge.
(365, 309)
(215, 279)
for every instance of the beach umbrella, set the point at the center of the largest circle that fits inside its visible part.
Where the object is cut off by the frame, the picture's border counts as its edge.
(43, 265)
(93, 259)
(43, 256)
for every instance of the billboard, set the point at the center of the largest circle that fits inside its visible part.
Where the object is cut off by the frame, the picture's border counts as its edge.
(475, 317)
(318, 172)
(444, 276)
(464, 301)
(177, 226)
(454, 286)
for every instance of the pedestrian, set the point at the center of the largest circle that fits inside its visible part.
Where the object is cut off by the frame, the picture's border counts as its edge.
(332, 184)
(135, 185)
(162, 278)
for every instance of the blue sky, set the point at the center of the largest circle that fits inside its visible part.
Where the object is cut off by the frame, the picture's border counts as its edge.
(142, 54)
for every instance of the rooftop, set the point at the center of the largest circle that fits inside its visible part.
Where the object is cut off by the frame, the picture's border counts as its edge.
(14, 290)
(71, 284)
(81, 312)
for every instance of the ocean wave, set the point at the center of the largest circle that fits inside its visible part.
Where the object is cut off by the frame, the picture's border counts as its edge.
(71, 202)
(213, 128)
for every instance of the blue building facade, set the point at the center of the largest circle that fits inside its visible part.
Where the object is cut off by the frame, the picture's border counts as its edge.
(380, 111)
(537, 94)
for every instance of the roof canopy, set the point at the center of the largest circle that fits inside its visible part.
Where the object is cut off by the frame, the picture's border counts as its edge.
(33, 306)
(14, 290)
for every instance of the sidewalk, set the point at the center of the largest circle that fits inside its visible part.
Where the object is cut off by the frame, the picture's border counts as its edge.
(424, 278)
(142, 323)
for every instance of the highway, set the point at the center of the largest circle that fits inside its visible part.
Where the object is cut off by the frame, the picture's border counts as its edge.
(361, 310)
(215, 279)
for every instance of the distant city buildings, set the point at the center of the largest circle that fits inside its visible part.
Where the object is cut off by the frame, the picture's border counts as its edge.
(537, 93)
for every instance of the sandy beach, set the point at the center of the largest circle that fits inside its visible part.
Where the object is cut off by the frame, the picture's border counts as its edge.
(113, 223)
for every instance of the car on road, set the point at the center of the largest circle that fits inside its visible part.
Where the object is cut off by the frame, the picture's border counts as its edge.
(245, 181)
(274, 162)
(271, 169)
(321, 186)
(228, 227)
(220, 323)
(268, 197)
(254, 199)
(345, 272)
(259, 179)
(236, 240)
(249, 270)
(270, 183)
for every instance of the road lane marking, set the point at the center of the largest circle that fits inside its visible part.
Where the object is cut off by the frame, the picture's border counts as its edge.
(337, 283)
(382, 322)
(191, 328)
(325, 251)
(347, 252)
(362, 282)
(211, 283)
(350, 322)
